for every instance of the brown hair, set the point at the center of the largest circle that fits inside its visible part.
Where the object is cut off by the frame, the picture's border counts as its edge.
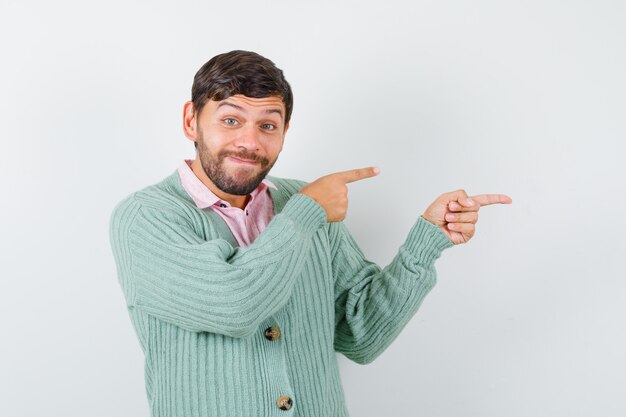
(240, 72)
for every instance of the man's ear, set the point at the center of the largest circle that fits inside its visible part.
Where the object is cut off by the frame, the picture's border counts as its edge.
(285, 130)
(189, 121)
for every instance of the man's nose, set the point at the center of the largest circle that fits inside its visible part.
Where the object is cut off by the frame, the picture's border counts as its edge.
(248, 137)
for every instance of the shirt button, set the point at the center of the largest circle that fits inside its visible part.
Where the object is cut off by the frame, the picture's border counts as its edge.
(284, 403)
(222, 205)
(272, 333)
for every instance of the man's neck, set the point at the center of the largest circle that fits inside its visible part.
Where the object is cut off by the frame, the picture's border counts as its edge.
(239, 201)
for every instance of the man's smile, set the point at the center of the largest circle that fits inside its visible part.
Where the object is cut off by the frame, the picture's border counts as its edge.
(243, 161)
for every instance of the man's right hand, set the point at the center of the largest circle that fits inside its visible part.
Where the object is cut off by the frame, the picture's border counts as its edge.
(331, 192)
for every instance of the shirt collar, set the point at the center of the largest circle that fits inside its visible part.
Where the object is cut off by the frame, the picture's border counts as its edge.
(200, 193)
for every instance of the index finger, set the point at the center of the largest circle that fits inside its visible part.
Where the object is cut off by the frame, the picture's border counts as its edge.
(353, 175)
(487, 199)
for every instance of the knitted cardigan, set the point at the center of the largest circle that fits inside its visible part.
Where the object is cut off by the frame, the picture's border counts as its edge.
(202, 306)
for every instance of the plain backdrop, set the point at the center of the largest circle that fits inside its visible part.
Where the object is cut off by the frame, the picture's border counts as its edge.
(525, 98)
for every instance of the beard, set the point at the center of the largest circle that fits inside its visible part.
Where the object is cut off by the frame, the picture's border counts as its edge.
(243, 181)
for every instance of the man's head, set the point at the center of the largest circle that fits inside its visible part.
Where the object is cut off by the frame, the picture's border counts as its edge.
(240, 109)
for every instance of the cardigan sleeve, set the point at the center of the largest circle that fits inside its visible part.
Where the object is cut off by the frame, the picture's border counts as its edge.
(168, 271)
(372, 305)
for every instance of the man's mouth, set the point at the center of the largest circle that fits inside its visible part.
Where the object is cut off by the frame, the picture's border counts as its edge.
(243, 161)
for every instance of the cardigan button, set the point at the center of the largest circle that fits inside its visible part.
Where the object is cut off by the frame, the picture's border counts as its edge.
(284, 403)
(272, 333)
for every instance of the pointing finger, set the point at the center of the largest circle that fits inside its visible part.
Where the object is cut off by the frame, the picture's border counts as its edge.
(353, 175)
(487, 199)
(482, 200)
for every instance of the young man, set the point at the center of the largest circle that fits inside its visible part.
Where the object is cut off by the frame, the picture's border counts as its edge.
(242, 286)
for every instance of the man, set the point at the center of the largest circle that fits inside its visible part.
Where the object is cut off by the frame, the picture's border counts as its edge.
(242, 286)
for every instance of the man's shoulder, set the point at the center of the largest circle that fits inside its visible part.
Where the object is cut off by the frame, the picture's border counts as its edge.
(164, 195)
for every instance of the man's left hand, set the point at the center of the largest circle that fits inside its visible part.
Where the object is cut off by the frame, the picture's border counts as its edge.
(456, 213)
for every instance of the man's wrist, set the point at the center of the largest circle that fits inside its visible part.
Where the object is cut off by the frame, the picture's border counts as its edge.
(426, 241)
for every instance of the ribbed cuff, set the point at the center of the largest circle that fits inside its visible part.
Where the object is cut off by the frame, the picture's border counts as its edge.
(305, 212)
(426, 241)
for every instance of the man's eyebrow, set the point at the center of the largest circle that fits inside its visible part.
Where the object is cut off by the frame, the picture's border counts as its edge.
(279, 111)
(226, 103)
(241, 109)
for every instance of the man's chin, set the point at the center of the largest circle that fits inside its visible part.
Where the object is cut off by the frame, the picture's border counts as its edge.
(241, 186)
(240, 178)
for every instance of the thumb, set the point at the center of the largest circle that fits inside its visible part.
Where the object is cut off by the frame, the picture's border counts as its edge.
(460, 196)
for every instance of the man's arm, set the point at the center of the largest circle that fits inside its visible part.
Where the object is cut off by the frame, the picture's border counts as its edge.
(372, 305)
(170, 272)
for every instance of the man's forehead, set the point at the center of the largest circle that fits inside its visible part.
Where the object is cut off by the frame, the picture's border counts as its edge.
(244, 102)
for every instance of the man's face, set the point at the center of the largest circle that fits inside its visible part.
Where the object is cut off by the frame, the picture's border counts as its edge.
(239, 139)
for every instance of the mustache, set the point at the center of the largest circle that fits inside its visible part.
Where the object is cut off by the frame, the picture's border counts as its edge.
(250, 156)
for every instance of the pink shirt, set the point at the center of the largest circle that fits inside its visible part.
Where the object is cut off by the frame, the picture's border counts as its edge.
(245, 224)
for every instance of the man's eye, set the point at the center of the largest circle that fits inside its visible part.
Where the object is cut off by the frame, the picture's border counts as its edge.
(269, 126)
(230, 121)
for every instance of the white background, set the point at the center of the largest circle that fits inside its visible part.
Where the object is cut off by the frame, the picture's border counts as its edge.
(525, 98)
